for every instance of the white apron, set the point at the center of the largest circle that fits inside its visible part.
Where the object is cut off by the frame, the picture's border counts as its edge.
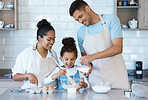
(41, 68)
(111, 69)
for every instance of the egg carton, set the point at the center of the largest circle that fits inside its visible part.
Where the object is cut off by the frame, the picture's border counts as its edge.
(47, 91)
(34, 90)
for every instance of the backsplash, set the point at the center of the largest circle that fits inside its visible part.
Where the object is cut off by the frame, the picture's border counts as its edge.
(57, 12)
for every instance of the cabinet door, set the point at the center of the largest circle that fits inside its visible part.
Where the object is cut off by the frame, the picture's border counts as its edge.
(143, 14)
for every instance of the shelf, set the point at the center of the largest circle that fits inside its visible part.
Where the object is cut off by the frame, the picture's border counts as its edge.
(6, 9)
(7, 29)
(128, 7)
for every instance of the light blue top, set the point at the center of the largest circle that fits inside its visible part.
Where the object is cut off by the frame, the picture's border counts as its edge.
(112, 24)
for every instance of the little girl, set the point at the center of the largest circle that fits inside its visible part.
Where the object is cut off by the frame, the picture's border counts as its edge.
(68, 55)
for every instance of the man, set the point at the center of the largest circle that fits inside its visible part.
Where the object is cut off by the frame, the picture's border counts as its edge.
(100, 41)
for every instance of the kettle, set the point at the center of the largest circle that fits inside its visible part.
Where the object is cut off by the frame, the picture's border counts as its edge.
(1, 4)
(132, 3)
(133, 24)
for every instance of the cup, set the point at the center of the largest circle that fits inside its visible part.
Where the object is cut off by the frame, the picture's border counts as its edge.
(119, 3)
(11, 25)
(125, 3)
(71, 90)
(1, 4)
(1, 24)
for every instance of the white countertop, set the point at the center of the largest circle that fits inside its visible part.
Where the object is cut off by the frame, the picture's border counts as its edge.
(114, 94)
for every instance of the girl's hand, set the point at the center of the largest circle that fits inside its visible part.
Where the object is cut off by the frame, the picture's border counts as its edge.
(62, 72)
(32, 79)
(82, 84)
(89, 71)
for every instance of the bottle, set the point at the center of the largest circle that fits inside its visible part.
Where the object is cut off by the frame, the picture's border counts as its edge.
(139, 71)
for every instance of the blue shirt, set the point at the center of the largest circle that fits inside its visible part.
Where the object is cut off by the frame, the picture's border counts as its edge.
(112, 24)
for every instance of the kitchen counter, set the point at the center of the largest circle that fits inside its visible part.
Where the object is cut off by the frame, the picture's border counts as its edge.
(114, 94)
(2, 78)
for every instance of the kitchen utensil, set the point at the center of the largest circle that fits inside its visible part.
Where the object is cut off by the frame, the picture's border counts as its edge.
(70, 79)
(139, 71)
(101, 87)
(132, 3)
(1, 24)
(119, 3)
(124, 26)
(71, 90)
(67, 84)
(8, 26)
(10, 5)
(140, 89)
(133, 24)
(1, 4)
(83, 69)
(124, 3)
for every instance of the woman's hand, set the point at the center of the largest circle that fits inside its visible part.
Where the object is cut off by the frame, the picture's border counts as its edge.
(32, 78)
(62, 72)
(82, 84)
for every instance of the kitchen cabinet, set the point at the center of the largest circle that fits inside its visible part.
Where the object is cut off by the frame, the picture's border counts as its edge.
(143, 21)
(139, 11)
(9, 15)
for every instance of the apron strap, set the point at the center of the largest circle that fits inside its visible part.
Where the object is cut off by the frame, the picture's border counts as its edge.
(86, 31)
(51, 53)
(103, 23)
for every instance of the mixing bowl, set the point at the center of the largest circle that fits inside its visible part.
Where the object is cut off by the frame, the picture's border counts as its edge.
(67, 84)
(101, 88)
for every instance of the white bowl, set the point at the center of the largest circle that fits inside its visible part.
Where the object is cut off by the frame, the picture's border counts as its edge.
(101, 89)
(71, 90)
(67, 84)
(84, 70)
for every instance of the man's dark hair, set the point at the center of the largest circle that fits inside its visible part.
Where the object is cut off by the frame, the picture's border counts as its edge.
(77, 5)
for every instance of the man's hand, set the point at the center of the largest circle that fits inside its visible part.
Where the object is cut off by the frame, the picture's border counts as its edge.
(86, 60)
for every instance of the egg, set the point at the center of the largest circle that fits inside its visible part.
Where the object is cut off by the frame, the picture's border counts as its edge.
(45, 88)
(50, 87)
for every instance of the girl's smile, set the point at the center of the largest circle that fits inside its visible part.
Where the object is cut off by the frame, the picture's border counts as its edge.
(69, 59)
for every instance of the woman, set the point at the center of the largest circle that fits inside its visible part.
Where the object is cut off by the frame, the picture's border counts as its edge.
(34, 64)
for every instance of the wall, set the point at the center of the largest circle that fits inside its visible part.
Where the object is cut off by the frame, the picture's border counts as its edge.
(56, 11)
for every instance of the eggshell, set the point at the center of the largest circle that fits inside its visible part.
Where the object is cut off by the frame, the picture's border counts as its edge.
(45, 88)
(50, 87)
